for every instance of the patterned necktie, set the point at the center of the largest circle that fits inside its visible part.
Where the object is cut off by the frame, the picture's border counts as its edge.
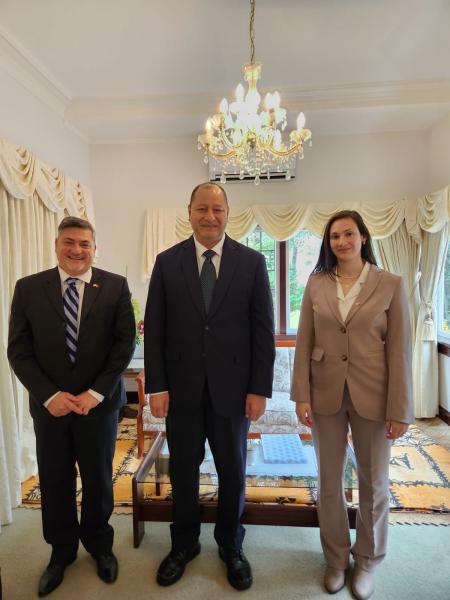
(70, 302)
(208, 278)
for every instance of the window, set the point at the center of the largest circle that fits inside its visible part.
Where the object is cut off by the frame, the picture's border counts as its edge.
(444, 300)
(289, 265)
(303, 252)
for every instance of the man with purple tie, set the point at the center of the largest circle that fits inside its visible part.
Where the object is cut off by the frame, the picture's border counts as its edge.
(71, 336)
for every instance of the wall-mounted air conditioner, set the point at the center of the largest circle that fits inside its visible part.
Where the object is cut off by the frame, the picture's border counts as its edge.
(232, 173)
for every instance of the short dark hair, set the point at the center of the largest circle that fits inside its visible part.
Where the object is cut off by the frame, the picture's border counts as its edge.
(327, 261)
(69, 222)
(208, 184)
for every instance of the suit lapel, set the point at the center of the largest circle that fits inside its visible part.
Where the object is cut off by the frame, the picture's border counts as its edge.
(91, 291)
(189, 266)
(373, 278)
(228, 264)
(53, 290)
(331, 296)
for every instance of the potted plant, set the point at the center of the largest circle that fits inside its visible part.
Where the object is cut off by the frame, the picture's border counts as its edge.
(139, 350)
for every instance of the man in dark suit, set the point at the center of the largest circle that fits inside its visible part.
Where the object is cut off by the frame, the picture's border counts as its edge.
(209, 354)
(71, 336)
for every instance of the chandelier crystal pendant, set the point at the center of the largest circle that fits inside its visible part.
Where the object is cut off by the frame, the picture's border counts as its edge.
(252, 141)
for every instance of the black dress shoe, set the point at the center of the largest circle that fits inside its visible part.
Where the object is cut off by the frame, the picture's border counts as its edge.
(239, 571)
(107, 567)
(172, 567)
(51, 578)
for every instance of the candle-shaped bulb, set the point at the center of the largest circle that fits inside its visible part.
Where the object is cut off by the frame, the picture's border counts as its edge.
(223, 108)
(301, 120)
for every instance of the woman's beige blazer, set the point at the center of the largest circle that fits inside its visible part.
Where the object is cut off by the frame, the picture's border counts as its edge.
(370, 350)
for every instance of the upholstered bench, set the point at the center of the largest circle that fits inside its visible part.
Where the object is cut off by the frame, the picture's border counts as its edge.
(279, 416)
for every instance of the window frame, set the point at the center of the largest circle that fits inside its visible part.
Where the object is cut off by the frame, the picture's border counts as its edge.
(281, 286)
(283, 282)
(443, 336)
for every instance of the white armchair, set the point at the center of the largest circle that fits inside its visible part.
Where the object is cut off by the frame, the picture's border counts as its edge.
(279, 416)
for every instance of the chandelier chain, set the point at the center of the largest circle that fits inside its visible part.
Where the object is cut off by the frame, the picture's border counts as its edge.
(252, 31)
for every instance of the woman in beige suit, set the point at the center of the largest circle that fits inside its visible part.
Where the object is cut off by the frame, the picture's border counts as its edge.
(353, 367)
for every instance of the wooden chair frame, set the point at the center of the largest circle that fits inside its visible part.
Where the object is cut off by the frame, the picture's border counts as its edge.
(143, 401)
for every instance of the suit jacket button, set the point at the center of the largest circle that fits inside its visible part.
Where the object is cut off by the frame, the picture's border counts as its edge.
(344, 357)
(343, 330)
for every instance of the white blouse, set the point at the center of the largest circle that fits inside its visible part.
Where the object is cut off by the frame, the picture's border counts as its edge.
(346, 302)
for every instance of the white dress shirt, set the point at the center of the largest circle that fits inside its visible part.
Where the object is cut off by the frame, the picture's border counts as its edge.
(200, 249)
(346, 301)
(80, 283)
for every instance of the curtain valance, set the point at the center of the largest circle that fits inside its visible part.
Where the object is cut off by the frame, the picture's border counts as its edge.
(23, 175)
(282, 222)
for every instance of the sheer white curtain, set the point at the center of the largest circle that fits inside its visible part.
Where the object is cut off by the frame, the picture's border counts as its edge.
(33, 198)
(425, 357)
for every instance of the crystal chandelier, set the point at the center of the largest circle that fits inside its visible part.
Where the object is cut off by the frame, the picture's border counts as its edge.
(250, 141)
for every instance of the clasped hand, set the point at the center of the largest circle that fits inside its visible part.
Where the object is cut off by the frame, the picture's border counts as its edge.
(65, 403)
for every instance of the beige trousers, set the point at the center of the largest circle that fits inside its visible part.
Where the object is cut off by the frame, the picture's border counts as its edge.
(372, 450)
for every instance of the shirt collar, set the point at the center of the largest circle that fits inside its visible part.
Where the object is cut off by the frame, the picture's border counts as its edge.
(355, 289)
(86, 277)
(200, 248)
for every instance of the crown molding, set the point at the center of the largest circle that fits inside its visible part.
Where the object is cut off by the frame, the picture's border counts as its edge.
(397, 93)
(390, 93)
(18, 62)
(188, 139)
(24, 67)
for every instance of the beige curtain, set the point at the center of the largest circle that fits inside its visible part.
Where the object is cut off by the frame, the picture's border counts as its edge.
(33, 198)
(425, 357)
(400, 254)
(282, 222)
(159, 234)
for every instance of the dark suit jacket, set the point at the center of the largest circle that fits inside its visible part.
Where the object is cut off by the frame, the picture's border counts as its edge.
(232, 347)
(37, 347)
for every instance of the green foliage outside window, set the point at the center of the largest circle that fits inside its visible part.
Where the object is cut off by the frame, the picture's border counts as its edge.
(303, 251)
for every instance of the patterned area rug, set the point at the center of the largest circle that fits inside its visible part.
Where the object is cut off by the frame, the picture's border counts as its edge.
(419, 480)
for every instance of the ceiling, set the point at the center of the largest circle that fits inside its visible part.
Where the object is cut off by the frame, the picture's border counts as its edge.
(145, 70)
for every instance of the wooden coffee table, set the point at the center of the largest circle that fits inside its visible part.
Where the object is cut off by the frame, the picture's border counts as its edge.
(153, 473)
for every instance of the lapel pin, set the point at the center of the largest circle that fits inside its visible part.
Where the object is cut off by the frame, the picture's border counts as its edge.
(95, 285)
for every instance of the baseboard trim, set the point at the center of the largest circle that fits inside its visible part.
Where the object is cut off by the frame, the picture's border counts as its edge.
(444, 415)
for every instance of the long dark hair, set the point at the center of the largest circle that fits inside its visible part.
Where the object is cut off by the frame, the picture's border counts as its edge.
(327, 261)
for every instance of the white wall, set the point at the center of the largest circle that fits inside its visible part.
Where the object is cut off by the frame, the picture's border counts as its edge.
(127, 179)
(27, 121)
(438, 155)
(444, 381)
